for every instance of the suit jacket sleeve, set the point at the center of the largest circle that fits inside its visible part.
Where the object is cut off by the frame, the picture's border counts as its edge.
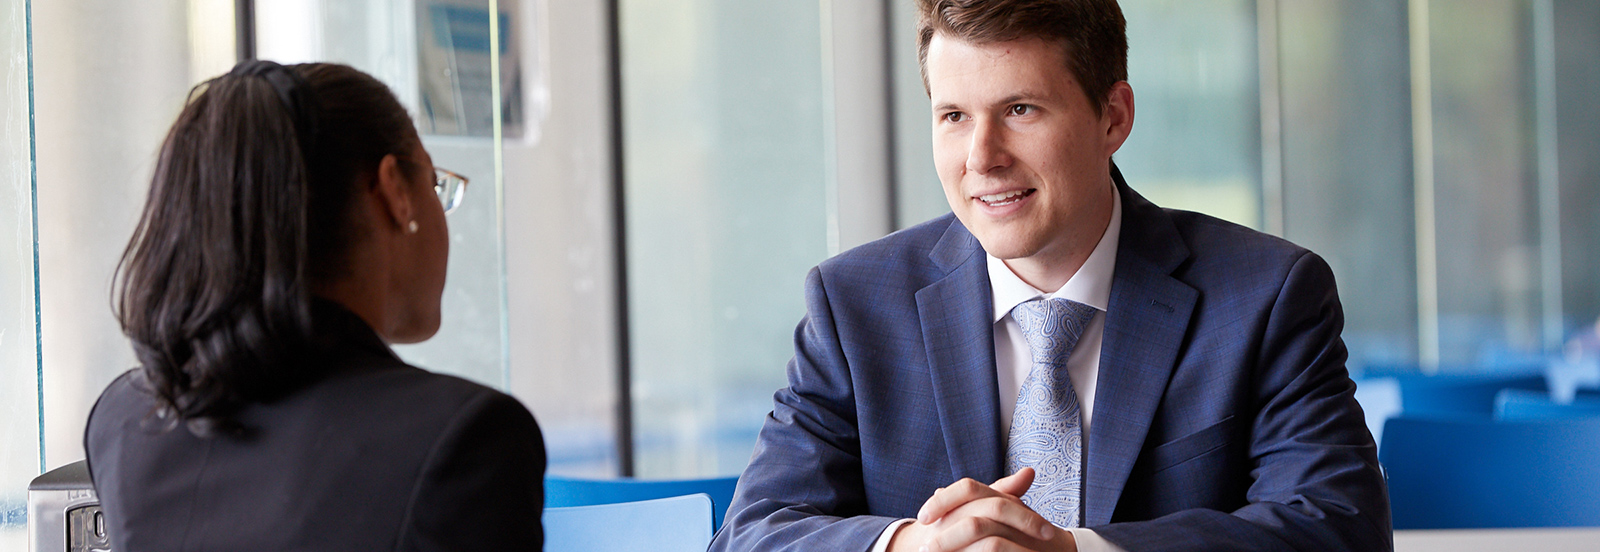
(1315, 481)
(803, 488)
(482, 487)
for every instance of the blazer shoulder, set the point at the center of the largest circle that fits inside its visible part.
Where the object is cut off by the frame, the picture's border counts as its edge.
(1217, 246)
(904, 253)
(128, 389)
(406, 392)
(481, 485)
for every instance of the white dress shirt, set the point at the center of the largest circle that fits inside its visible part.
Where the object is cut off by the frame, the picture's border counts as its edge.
(1091, 285)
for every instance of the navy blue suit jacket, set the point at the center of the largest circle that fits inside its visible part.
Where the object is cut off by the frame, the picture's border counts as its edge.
(1224, 417)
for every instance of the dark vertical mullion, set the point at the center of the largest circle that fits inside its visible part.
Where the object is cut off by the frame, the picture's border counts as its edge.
(619, 229)
(244, 25)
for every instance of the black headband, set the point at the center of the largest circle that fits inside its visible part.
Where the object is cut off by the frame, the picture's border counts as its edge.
(292, 91)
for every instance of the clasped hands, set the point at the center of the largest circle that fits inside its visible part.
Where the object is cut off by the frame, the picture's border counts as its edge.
(969, 515)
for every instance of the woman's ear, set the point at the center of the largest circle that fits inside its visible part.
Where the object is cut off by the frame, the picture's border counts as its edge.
(392, 191)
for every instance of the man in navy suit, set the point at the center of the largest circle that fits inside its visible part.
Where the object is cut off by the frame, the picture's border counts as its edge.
(1209, 404)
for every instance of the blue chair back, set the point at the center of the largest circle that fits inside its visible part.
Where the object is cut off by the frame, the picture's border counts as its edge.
(1521, 404)
(676, 524)
(1468, 473)
(1460, 394)
(568, 491)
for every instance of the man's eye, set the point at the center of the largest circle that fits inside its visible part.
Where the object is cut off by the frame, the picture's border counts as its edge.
(953, 117)
(1021, 109)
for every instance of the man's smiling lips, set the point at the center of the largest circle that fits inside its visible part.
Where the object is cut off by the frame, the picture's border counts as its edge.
(1001, 199)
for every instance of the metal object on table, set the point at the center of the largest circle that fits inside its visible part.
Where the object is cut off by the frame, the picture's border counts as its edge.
(64, 512)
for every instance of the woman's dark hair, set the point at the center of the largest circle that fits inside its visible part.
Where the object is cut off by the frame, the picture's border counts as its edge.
(247, 208)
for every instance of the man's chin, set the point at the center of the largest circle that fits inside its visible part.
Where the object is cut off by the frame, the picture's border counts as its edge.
(1006, 249)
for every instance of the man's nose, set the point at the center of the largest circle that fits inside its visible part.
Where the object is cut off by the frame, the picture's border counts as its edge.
(987, 153)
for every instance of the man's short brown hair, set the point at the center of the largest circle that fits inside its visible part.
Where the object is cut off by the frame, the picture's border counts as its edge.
(1092, 34)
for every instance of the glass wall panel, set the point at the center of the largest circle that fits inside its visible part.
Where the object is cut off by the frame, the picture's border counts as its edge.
(109, 77)
(559, 243)
(433, 53)
(1345, 81)
(20, 460)
(1486, 188)
(529, 314)
(1196, 141)
(1576, 24)
(724, 175)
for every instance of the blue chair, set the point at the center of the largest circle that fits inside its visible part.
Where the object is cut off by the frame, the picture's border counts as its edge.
(1468, 473)
(567, 491)
(1521, 404)
(1450, 395)
(676, 524)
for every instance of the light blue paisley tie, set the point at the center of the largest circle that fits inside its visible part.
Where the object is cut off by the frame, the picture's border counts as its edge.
(1047, 427)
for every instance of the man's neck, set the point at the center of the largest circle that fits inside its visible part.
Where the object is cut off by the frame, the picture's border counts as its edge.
(1046, 275)
(1051, 268)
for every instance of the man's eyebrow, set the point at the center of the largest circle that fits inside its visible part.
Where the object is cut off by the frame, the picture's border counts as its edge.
(1021, 97)
(1024, 96)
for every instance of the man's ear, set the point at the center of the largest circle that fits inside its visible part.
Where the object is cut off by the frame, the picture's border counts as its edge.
(1117, 116)
(390, 190)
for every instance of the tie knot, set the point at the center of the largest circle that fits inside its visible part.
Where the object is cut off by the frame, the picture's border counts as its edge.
(1052, 327)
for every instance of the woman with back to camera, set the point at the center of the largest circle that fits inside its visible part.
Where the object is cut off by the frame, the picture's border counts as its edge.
(295, 226)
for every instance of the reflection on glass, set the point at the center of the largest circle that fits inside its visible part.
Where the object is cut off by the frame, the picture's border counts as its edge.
(453, 68)
(724, 173)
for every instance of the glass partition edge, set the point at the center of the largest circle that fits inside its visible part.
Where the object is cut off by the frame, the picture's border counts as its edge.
(33, 200)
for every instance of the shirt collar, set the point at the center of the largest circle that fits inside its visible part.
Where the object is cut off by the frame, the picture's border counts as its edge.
(1091, 285)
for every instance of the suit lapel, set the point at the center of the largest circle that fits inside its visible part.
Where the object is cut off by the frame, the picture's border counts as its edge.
(1146, 321)
(957, 330)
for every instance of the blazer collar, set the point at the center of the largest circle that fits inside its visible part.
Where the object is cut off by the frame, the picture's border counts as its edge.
(1146, 322)
(957, 332)
(333, 326)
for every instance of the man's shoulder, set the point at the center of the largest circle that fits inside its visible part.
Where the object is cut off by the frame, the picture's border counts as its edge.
(1227, 252)
(1206, 234)
(906, 250)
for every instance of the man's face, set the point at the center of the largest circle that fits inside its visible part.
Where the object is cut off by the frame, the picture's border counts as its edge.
(1022, 155)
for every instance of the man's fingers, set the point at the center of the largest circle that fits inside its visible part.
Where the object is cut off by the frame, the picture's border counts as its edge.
(952, 497)
(960, 534)
(1010, 512)
(967, 532)
(1015, 484)
(1000, 502)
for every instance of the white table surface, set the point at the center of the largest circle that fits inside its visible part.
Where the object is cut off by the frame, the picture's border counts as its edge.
(1584, 539)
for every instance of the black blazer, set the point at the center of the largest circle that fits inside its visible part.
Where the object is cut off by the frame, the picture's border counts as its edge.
(376, 455)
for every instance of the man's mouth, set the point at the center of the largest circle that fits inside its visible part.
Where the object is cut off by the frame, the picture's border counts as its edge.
(1006, 198)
